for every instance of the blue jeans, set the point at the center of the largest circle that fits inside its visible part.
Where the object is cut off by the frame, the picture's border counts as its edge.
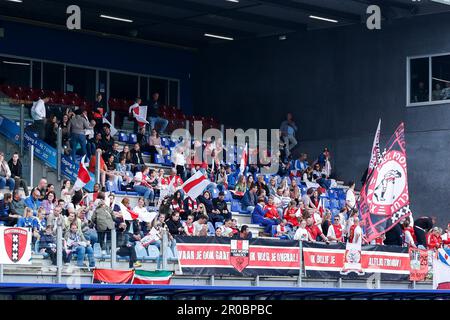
(147, 193)
(76, 139)
(81, 252)
(91, 235)
(9, 182)
(158, 120)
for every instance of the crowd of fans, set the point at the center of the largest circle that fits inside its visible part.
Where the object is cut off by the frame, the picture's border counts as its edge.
(288, 205)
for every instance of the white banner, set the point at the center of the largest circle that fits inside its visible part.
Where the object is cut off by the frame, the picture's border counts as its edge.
(15, 245)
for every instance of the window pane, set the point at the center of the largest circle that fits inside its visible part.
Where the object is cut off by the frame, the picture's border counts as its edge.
(102, 80)
(37, 75)
(15, 72)
(160, 86)
(173, 99)
(441, 78)
(123, 86)
(53, 77)
(143, 91)
(81, 81)
(419, 82)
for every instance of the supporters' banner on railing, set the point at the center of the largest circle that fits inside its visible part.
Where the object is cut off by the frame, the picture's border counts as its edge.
(333, 261)
(419, 264)
(224, 256)
(112, 276)
(15, 245)
(10, 129)
(441, 270)
(384, 199)
(42, 150)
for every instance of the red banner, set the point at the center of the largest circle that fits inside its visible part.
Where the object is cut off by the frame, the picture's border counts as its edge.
(237, 256)
(418, 265)
(330, 260)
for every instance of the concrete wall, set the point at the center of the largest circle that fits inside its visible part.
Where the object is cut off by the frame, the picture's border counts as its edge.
(338, 82)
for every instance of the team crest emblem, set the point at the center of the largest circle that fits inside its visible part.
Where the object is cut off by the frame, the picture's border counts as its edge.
(352, 259)
(239, 254)
(388, 188)
(15, 243)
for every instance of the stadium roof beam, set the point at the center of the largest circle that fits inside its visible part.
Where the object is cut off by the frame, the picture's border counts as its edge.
(233, 13)
(313, 9)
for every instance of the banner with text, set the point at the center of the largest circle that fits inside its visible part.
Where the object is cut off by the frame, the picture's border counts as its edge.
(15, 245)
(224, 256)
(332, 261)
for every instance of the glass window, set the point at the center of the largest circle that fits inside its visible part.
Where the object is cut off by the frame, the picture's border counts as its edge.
(419, 82)
(81, 81)
(37, 80)
(173, 98)
(143, 93)
(15, 72)
(102, 83)
(441, 78)
(160, 86)
(53, 77)
(123, 86)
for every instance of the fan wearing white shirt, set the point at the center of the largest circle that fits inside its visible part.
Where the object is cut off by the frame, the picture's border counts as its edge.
(137, 103)
(38, 113)
(301, 233)
(350, 199)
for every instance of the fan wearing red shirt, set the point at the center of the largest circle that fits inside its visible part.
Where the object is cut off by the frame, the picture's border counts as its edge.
(434, 240)
(314, 231)
(290, 214)
(178, 182)
(335, 232)
(272, 212)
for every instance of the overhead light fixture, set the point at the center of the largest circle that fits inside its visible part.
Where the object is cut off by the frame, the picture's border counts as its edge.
(18, 63)
(323, 19)
(115, 18)
(217, 36)
(282, 37)
(18, 1)
(235, 1)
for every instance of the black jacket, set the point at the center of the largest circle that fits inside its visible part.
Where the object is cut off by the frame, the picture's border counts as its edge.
(173, 227)
(16, 170)
(136, 157)
(220, 205)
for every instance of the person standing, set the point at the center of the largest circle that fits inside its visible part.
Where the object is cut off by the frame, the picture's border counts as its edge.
(39, 115)
(288, 130)
(77, 128)
(98, 112)
(137, 103)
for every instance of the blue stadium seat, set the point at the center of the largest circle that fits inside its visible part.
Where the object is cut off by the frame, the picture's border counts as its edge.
(274, 231)
(121, 192)
(153, 252)
(132, 138)
(228, 196)
(132, 193)
(215, 193)
(123, 137)
(236, 205)
(158, 159)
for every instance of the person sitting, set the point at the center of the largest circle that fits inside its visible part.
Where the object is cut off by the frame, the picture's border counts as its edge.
(142, 185)
(220, 206)
(155, 145)
(137, 161)
(174, 224)
(250, 198)
(49, 203)
(124, 246)
(272, 210)
(17, 204)
(314, 231)
(258, 217)
(200, 226)
(434, 240)
(124, 176)
(5, 174)
(33, 201)
(244, 234)
(213, 216)
(283, 230)
(188, 225)
(292, 214)
(15, 165)
(77, 243)
(177, 204)
(335, 232)
(155, 119)
(191, 207)
(302, 234)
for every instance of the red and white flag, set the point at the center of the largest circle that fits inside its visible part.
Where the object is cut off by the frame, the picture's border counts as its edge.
(194, 186)
(127, 214)
(140, 114)
(375, 157)
(83, 176)
(244, 159)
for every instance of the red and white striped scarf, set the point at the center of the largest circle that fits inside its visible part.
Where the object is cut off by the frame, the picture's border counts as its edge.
(175, 206)
(192, 204)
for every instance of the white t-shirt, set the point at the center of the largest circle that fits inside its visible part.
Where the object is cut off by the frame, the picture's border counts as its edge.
(350, 198)
(198, 227)
(38, 110)
(357, 236)
(301, 234)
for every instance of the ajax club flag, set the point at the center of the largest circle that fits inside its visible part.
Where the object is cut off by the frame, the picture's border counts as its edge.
(384, 200)
(15, 245)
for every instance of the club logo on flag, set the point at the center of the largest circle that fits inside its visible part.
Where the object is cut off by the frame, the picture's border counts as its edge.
(352, 259)
(15, 243)
(239, 254)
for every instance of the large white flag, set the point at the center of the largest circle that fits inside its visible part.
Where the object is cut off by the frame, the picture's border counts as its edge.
(140, 114)
(113, 130)
(194, 186)
(244, 159)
